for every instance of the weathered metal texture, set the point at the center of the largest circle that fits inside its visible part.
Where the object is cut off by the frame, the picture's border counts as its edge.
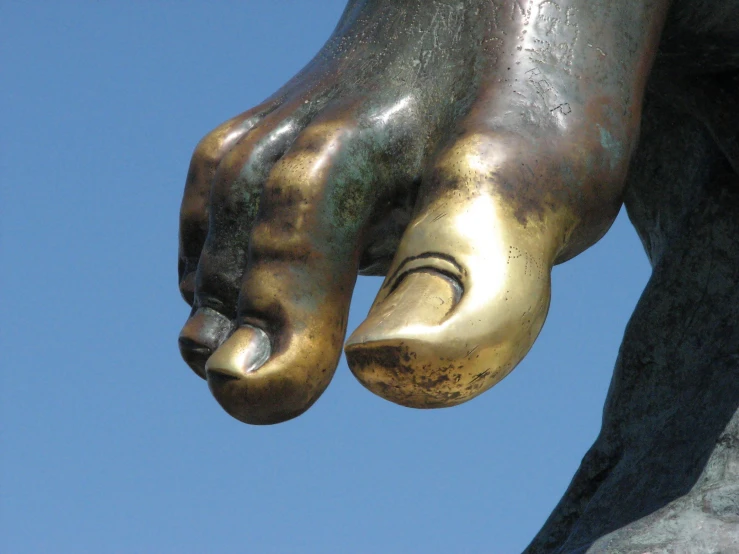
(663, 475)
(459, 148)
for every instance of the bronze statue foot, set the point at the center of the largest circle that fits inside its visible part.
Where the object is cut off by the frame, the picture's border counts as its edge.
(459, 149)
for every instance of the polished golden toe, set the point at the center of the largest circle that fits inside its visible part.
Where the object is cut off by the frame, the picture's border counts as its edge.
(461, 306)
(256, 385)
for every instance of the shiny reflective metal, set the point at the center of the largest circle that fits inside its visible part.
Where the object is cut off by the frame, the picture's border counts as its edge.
(459, 149)
(451, 322)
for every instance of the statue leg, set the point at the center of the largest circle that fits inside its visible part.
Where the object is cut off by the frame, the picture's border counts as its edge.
(663, 475)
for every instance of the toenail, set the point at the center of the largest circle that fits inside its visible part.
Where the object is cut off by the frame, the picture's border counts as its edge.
(201, 335)
(244, 352)
(191, 346)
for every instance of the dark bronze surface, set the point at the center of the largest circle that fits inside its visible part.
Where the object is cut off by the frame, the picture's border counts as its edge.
(461, 149)
(489, 137)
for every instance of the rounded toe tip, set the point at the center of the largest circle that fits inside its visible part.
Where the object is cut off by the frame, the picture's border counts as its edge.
(393, 371)
(252, 402)
(200, 336)
(194, 354)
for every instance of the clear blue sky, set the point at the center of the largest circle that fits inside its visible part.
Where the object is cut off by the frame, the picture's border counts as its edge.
(110, 444)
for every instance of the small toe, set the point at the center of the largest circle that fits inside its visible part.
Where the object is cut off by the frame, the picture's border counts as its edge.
(201, 335)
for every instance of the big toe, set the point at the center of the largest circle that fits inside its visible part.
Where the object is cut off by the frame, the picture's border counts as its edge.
(464, 301)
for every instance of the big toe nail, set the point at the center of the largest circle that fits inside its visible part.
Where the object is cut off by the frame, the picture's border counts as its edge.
(388, 350)
(201, 335)
(421, 299)
(430, 344)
